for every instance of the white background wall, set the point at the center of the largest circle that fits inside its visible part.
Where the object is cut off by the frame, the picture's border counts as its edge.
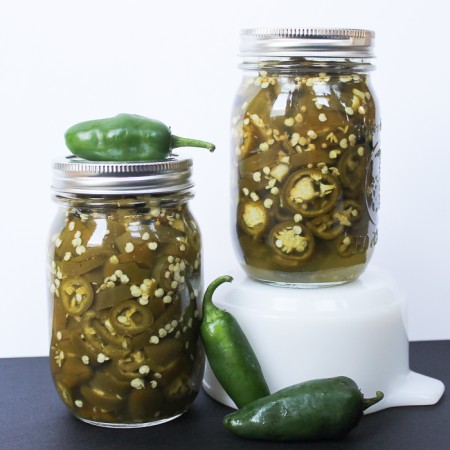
(62, 62)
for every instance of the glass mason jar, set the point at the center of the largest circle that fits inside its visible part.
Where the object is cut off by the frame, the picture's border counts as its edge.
(305, 133)
(125, 278)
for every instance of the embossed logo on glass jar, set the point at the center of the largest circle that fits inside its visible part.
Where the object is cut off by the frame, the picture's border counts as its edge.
(372, 188)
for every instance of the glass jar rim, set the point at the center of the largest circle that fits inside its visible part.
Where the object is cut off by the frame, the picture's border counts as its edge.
(308, 42)
(72, 175)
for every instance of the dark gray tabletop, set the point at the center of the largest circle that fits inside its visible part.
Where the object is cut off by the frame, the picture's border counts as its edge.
(33, 417)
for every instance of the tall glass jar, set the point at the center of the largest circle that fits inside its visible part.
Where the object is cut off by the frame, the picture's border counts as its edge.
(125, 278)
(306, 143)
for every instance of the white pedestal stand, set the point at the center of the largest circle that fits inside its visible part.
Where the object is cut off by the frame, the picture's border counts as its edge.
(356, 329)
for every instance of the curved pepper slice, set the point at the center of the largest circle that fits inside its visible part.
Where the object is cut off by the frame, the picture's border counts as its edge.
(75, 373)
(310, 192)
(91, 325)
(258, 161)
(327, 226)
(101, 399)
(107, 332)
(161, 354)
(130, 317)
(280, 213)
(128, 368)
(253, 217)
(352, 167)
(346, 246)
(76, 295)
(145, 403)
(89, 260)
(352, 210)
(109, 383)
(292, 241)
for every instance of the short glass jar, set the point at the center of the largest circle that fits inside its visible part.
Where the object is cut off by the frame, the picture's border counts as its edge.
(305, 134)
(125, 278)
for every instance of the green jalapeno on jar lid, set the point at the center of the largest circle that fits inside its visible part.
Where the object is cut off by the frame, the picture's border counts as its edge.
(126, 137)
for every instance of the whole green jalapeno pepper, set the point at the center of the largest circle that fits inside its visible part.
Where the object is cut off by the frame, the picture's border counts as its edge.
(125, 137)
(229, 353)
(318, 409)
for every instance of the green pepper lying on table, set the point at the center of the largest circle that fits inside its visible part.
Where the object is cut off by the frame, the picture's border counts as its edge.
(318, 409)
(126, 137)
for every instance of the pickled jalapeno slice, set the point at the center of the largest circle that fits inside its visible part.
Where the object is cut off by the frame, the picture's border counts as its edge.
(97, 396)
(352, 167)
(104, 329)
(253, 217)
(103, 349)
(346, 246)
(292, 241)
(310, 192)
(76, 295)
(327, 226)
(129, 367)
(130, 317)
(350, 212)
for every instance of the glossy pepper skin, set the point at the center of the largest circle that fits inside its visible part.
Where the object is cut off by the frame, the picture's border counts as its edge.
(318, 409)
(125, 137)
(229, 353)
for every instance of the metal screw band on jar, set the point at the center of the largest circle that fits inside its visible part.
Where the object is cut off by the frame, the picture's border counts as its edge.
(77, 176)
(318, 42)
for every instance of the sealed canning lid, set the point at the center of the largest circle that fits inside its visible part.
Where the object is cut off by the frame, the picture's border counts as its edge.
(78, 176)
(319, 42)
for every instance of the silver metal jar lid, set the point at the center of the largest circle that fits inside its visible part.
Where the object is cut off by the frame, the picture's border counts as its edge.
(77, 176)
(318, 42)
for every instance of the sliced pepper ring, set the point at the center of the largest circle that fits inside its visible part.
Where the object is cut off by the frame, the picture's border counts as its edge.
(352, 167)
(128, 367)
(107, 332)
(292, 241)
(130, 317)
(253, 217)
(310, 192)
(327, 226)
(346, 246)
(353, 210)
(76, 295)
(90, 327)
(280, 213)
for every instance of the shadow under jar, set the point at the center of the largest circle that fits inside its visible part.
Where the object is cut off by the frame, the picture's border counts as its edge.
(125, 279)
(305, 135)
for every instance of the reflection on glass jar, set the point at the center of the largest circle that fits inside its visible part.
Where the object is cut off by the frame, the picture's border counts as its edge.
(125, 278)
(305, 137)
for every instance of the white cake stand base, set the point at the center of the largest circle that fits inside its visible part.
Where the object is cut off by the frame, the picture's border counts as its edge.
(356, 329)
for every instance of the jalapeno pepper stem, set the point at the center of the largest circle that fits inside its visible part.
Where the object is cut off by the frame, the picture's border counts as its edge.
(208, 306)
(368, 402)
(178, 141)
